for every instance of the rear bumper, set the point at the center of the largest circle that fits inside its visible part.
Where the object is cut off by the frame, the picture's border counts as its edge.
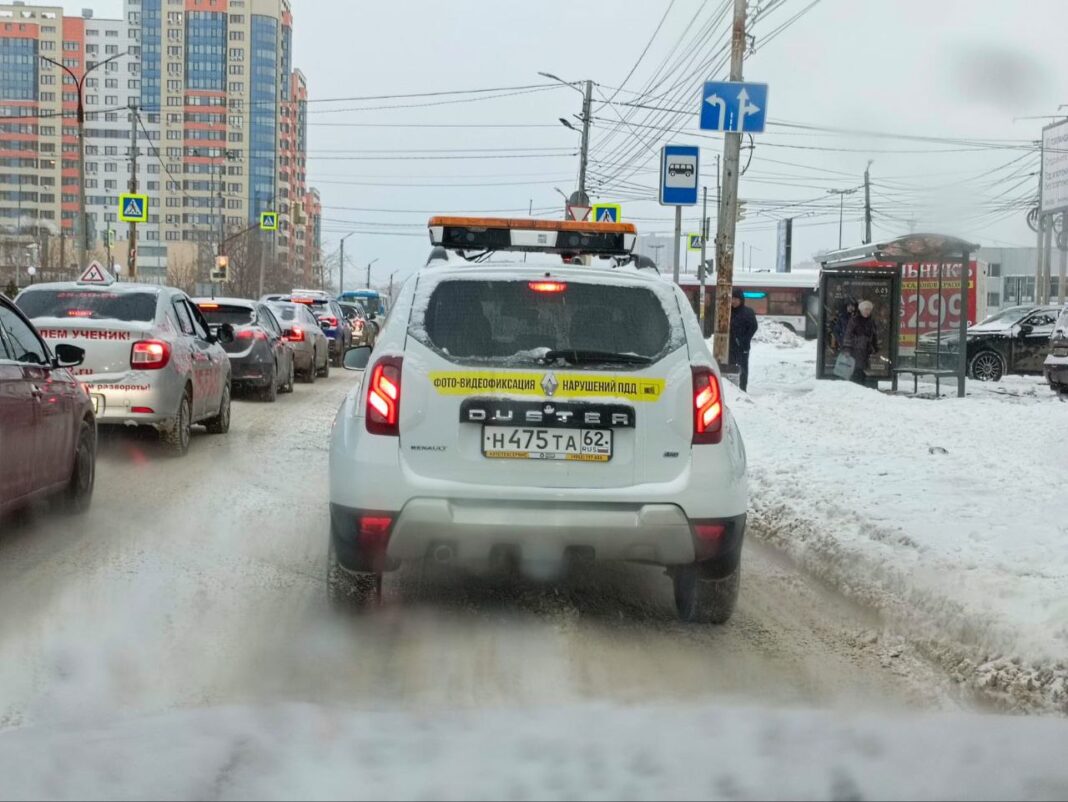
(122, 402)
(253, 368)
(480, 532)
(1056, 370)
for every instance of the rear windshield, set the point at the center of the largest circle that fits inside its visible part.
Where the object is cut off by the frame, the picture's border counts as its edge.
(511, 322)
(133, 307)
(234, 315)
(284, 312)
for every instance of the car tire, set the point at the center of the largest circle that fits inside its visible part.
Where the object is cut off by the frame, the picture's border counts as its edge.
(986, 366)
(291, 379)
(699, 600)
(346, 590)
(176, 436)
(220, 424)
(325, 372)
(313, 369)
(269, 393)
(79, 492)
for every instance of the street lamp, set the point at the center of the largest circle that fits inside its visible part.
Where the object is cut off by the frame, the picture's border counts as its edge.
(79, 82)
(587, 98)
(341, 278)
(841, 193)
(369, 272)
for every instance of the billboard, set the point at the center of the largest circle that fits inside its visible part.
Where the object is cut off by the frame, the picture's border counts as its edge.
(1055, 168)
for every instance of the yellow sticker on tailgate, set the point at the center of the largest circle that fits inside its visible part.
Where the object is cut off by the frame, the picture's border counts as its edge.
(547, 385)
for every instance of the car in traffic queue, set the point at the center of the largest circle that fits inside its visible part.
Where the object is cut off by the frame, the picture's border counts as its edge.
(512, 414)
(1013, 341)
(1056, 364)
(363, 328)
(47, 425)
(331, 319)
(261, 359)
(305, 337)
(150, 357)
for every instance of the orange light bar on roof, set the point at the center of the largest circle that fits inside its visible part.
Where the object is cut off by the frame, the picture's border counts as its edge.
(565, 237)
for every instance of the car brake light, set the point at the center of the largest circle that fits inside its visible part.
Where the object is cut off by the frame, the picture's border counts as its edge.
(709, 532)
(150, 355)
(708, 407)
(548, 286)
(295, 335)
(252, 334)
(208, 306)
(329, 320)
(82, 313)
(384, 397)
(358, 324)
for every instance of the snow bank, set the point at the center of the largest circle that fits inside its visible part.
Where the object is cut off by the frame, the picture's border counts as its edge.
(949, 516)
(772, 332)
(583, 752)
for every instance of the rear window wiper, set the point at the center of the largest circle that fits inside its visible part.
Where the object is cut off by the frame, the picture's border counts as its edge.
(581, 357)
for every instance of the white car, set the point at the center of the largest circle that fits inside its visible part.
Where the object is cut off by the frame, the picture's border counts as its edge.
(150, 357)
(528, 413)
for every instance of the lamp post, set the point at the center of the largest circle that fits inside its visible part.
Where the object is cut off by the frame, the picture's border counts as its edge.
(587, 100)
(341, 278)
(369, 272)
(79, 82)
(841, 193)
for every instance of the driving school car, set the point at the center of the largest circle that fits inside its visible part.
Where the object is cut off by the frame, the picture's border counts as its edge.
(512, 414)
(150, 358)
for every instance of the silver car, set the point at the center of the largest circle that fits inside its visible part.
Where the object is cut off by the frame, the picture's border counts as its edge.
(1056, 366)
(311, 348)
(150, 357)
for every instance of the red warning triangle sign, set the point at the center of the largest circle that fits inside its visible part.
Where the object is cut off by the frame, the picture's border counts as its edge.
(96, 274)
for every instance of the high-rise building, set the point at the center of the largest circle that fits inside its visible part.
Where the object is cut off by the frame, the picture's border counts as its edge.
(207, 88)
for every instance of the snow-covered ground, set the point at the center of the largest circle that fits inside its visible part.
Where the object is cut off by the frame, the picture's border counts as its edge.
(950, 516)
(592, 751)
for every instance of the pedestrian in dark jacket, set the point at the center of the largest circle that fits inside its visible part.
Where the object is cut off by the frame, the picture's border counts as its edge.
(862, 340)
(743, 328)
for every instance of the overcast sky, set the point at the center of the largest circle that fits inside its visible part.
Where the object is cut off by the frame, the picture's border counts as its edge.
(955, 69)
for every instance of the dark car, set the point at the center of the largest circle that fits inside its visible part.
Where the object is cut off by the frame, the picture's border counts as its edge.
(1056, 365)
(331, 319)
(47, 424)
(261, 360)
(364, 330)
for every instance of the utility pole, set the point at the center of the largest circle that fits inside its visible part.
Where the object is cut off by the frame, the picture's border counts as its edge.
(369, 272)
(867, 205)
(841, 193)
(341, 279)
(732, 146)
(131, 258)
(1061, 243)
(586, 102)
(701, 269)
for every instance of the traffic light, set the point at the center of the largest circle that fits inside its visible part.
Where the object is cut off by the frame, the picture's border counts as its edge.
(221, 272)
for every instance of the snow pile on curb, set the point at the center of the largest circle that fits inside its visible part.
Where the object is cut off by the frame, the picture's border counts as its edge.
(947, 516)
(579, 752)
(774, 333)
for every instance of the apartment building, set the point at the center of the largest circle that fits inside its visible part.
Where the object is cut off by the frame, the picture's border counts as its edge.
(209, 91)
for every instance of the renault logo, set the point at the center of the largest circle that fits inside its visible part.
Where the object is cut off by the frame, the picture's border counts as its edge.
(549, 384)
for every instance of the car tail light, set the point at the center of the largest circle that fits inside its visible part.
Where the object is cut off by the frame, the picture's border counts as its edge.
(150, 355)
(329, 320)
(358, 326)
(709, 532)
(81, 313)
(384, 397)
(143, 411)
(708, 408)
(295, 335)
(208, 306)
(548, 286)
(252, 334)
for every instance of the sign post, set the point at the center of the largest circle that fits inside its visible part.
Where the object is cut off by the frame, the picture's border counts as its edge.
(680, 171)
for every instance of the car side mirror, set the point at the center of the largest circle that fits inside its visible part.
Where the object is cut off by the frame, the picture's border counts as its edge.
(225, 334)
(1025, 330)
(372, 316)
(357, 358)
(69, 356)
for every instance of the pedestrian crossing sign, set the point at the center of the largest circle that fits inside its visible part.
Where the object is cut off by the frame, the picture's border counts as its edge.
(607, 213)
(694, 242)
(269, 221)
(133, 208)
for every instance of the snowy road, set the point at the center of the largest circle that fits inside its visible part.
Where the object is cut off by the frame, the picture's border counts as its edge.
(200, 582)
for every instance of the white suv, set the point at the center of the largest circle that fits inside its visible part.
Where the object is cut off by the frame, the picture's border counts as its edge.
(528, 413)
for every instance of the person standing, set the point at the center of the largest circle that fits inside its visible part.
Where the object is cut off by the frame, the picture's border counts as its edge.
(861, 340)
(743, 328)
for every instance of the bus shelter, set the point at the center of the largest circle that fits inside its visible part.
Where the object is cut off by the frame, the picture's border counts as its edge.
(938, 285)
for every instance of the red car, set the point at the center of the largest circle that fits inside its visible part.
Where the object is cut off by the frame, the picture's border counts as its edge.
(47, 425)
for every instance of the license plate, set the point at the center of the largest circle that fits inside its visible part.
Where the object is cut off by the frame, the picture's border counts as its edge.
(98, 403)
(574, 445)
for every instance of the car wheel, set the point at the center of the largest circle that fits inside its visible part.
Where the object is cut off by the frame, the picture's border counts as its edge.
(291, 379)
(176, 436)
(79, 492)
(269, 393)
(220, 424)
(325, 372)
(313, 369)
(346, 590)
(987, 366)
(705, 601)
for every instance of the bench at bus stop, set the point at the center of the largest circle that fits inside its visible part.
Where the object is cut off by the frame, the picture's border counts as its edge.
(916, 372)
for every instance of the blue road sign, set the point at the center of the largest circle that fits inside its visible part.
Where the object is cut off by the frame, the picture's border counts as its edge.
(734, 106)
(680, 174)
(606, 213)
(133, 208)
